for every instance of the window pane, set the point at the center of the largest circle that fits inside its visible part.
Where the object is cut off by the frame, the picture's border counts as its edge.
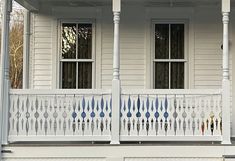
(161, 41)
(68, 75)
(177, 41)
(84, 41)
(177, 75)
(85, 75)
(68, 41)
(161, 75)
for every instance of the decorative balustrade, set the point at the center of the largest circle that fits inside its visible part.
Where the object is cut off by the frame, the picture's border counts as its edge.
(85, 115)
(64, 115)
(171, 115)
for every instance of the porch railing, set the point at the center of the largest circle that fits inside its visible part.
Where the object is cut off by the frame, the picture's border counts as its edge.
(171, 115)
(60, 115)
(145, 115)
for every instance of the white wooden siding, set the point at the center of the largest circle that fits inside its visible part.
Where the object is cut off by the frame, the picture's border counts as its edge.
(206, 53)
(42, 57)
(132, 39)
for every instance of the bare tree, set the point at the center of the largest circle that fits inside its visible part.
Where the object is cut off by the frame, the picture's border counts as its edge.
(16, 49)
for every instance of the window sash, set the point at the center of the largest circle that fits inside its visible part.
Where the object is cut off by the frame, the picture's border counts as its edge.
(77, 60)
(169, 60)
(77, 76)
(170, 79)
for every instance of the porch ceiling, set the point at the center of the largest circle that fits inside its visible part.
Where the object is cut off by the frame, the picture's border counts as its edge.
(37, 5)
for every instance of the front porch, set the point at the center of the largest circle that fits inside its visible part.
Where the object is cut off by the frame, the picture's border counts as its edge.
(116, 114)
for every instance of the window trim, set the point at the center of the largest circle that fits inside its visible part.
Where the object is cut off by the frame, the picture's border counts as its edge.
(92, 60)
(186, 50)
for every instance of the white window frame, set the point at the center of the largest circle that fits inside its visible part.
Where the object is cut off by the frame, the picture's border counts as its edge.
(186, 51)
(92, 60)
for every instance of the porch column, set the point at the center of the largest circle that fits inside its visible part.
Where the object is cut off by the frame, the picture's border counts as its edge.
(4, 68)
(116, 89)
(226, 82)
(4, 72)
(26, 49)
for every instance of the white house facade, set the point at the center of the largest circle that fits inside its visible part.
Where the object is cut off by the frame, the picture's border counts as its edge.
(115, 80)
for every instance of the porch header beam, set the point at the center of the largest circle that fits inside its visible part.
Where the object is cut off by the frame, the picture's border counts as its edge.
(31, 5)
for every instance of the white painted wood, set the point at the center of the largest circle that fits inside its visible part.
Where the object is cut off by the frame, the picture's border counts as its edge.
(116, 83)
(208, 58)
(232, 73)
(55, 56)
(26, 49)
(172, 92)
(59, 51)
(131, 44)
(192, 114)
(58, 91)
(204, 30)
(226, 112)
(205, 72)
(116, 5)
(120, 159)
(41, 26)
(45, 115)
(143, 152)
(171, 159)
(29, 4)
(170, 138)
(38, 139)
(225, 46)
(98, 49)
(226, 81)
(52, 50)
(4, 72)
(225, 5)
(116, 45)
(171, 15)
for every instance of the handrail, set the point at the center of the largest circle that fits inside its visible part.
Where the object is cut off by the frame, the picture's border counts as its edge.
(172, 91)
(60, 91)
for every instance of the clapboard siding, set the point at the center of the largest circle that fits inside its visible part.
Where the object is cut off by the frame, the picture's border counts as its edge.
(132, 64)
(206, 54)
(42, 63)
(107, 50)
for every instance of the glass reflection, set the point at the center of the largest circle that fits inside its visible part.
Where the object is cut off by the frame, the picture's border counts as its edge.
(69, 41)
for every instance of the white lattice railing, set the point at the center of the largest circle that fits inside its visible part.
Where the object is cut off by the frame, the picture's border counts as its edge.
(60, 115)
(171, 115)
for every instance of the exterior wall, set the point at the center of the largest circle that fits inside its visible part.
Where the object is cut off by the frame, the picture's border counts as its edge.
(41, 55)
(204, 53)
(208, 54)
(204, 42)
(132, 54)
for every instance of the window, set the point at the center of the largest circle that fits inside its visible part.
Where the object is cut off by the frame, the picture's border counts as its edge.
(169, 56)
(76, 61)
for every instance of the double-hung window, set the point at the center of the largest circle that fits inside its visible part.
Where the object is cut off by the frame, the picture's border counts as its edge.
(76, 60)
(169, 55)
